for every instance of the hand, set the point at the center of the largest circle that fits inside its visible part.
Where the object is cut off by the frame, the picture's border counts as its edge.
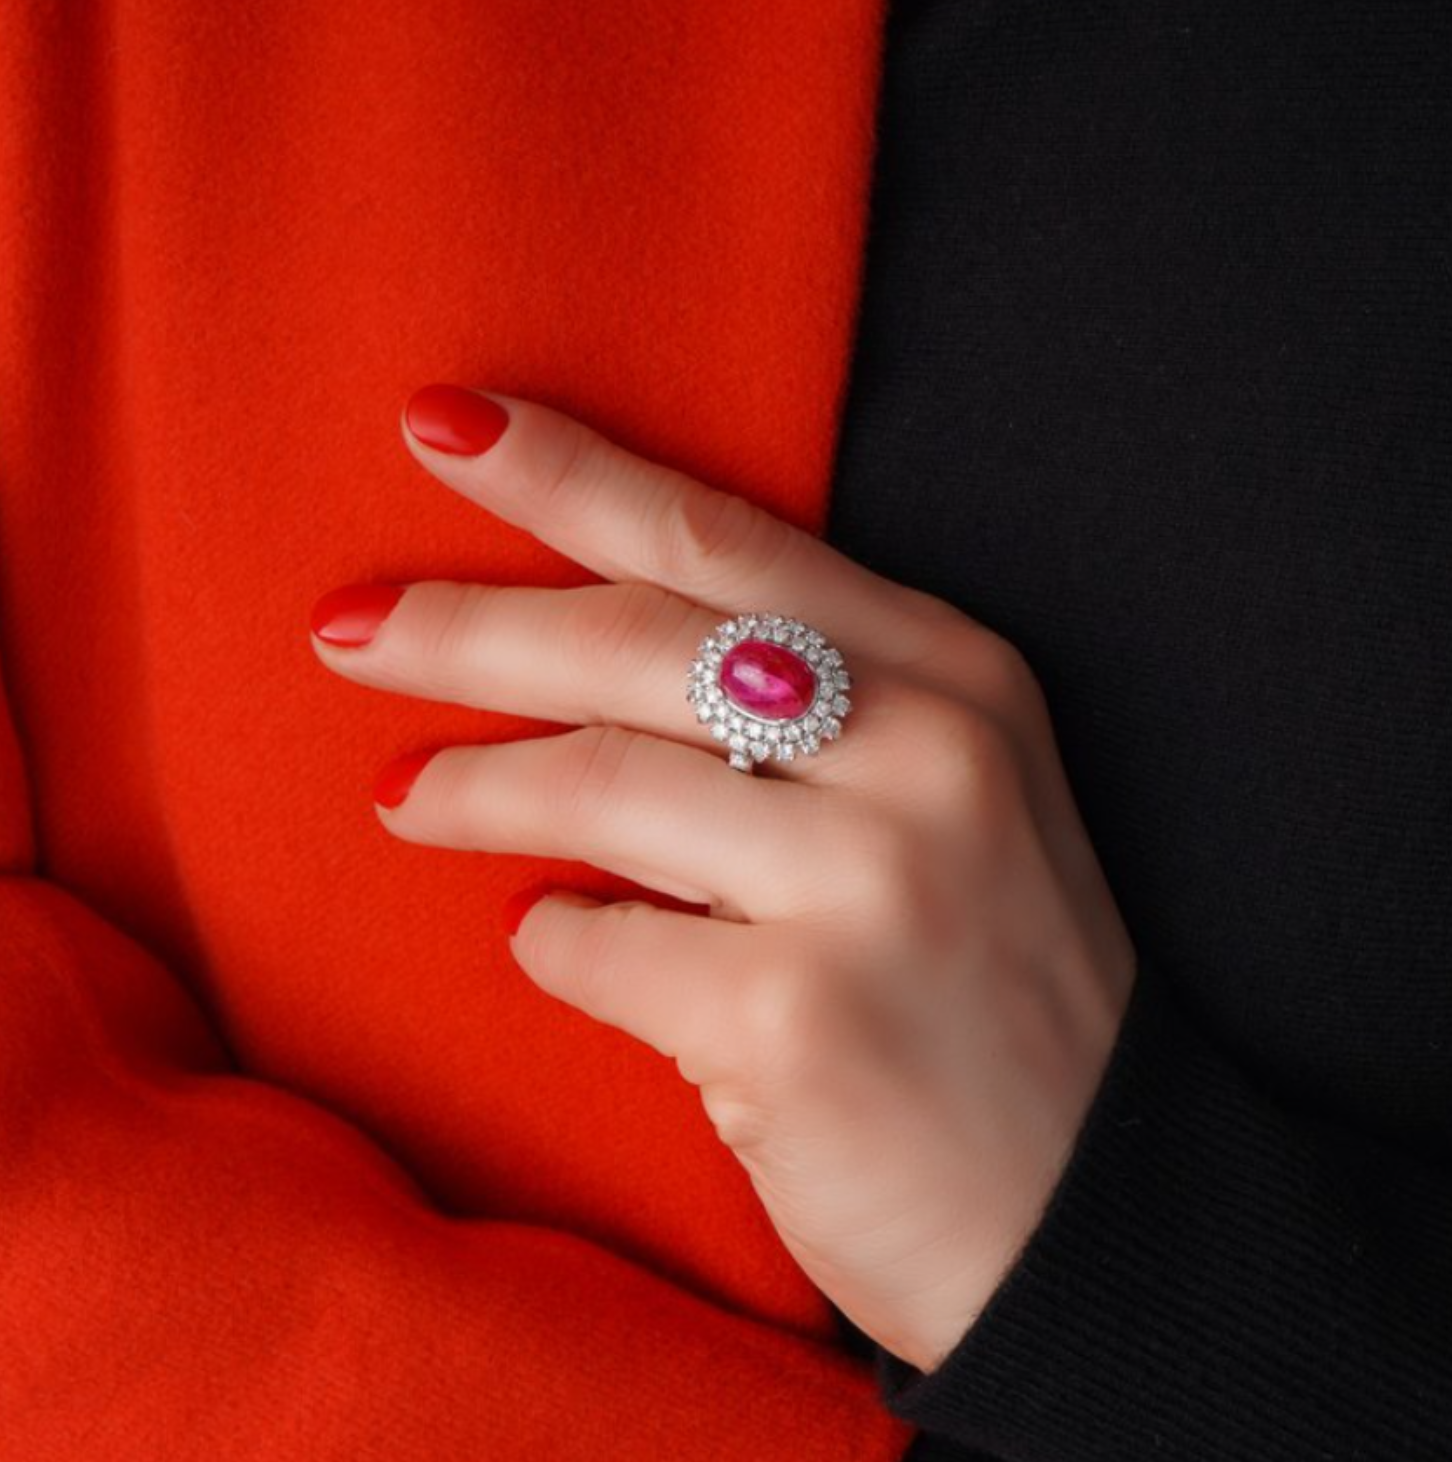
(912, 971)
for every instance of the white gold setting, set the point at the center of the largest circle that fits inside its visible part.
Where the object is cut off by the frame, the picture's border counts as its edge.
(750, 736)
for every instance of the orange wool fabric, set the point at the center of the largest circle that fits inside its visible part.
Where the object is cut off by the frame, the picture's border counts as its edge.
(297, 1162)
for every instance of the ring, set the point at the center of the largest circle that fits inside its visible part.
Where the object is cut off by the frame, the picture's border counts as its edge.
(767, 686)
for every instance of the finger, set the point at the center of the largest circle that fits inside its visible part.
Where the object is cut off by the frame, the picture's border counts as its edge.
(677, 981)
(630, 519)
(590, 655)
(656, 811)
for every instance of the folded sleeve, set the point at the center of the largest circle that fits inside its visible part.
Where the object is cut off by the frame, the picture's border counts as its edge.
(198, 1264)
(1214, 1276)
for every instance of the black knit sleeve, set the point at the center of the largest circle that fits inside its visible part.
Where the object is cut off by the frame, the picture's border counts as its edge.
(1213, 1277)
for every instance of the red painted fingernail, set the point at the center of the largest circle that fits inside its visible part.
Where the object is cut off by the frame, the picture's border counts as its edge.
(351, 615)
(455, 420)
(391, 785)
(519, 903)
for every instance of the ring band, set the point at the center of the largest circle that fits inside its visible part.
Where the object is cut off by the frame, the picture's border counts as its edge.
(768, 686)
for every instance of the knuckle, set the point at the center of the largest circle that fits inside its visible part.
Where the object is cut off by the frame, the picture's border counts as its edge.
(575, 448)
(704, 534)
(741, 1124)
(567, 465)
(1010, 680)
(937, 615)
(973, 754)
(596, 940)
(938, 633)
(884, 886)
(450, 633)
(786, 1009)
(591, 774)
(619, 626)
(601, 950)
(996, 668)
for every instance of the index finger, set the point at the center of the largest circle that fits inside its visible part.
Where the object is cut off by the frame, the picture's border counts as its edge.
(630, 519)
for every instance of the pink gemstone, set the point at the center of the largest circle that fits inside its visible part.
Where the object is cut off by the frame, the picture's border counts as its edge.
(768, 680)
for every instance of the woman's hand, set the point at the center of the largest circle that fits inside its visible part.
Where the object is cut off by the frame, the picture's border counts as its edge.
(913, 970)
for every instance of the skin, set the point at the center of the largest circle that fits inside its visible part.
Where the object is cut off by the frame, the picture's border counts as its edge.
(905, 992)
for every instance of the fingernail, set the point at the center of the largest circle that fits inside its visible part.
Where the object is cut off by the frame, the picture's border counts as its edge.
(455, 420)
(519, 903)
(392, 784)
(351, 615)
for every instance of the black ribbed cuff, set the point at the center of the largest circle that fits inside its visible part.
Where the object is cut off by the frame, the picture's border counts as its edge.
(1080, 1353)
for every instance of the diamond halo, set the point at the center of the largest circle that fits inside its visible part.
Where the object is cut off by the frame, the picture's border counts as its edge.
(749, 735)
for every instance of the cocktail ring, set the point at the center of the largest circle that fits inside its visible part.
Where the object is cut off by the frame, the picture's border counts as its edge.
(768, 685)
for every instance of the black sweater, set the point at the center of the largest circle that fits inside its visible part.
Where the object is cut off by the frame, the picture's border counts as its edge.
(1151, 378)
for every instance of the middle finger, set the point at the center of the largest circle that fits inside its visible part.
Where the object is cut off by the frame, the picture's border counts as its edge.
(592, 655)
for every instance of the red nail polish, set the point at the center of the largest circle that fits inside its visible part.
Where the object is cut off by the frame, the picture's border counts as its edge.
(519, 903)
(455, 420)
(392, 784)
(351, 615)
